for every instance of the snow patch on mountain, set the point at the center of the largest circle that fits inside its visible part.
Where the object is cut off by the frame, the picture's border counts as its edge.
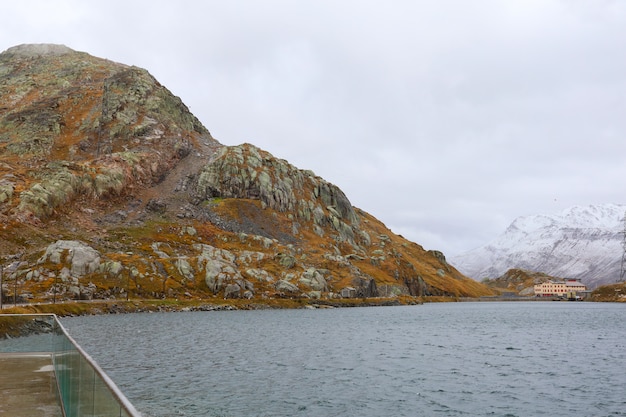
(582, 242)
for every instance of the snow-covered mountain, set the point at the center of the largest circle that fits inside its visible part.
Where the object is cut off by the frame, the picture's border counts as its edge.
(581, 242)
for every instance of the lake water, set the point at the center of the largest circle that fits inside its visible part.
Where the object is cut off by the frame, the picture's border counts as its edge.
(451, 359)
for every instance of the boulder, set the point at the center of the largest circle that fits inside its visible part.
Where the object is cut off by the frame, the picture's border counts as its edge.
(286, 286)
(218, 272)
(259, 275)
(314, 280)
(156, 247)
(232, 291)
(286, 260)
(6, 191)
(113, 268)
(211, 252)
(348, 292)
(83, 259)
(314, 295)
(156, 205)
(247, 257)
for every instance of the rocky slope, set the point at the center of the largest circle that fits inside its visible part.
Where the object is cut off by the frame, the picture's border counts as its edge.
(110, 186)
(580, 242)
(613, 293)
(518, 281)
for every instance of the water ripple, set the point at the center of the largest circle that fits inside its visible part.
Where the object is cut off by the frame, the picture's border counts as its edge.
(466, 359)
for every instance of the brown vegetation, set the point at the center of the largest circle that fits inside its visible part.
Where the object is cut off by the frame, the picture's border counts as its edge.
(610, 293)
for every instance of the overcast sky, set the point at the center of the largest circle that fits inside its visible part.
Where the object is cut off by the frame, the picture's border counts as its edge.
(444, 119)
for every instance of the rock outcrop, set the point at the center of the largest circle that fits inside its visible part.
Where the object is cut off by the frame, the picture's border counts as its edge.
(81, 258)
(247, 172)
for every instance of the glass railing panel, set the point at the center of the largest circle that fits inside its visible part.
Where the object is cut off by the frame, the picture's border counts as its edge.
(84, 390)
(103, 400)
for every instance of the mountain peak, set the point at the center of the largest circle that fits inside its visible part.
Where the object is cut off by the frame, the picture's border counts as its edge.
(581, 242)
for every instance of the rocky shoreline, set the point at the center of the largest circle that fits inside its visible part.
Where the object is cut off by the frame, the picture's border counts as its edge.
(150, 306)
(102, 307)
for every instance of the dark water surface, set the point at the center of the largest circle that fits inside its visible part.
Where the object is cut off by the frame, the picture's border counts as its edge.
(453, 359)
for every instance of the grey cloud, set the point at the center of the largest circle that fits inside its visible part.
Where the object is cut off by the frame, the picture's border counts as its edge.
(445, 119)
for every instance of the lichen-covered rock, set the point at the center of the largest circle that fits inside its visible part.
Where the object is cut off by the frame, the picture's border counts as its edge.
(245, 171)
(313, 279)
(184, 268)
(259, 275)
(286, 287)
(441, 258)
(218, 273)
(232, 291)
(416, 286)
(113, 268)
(286, 260)
(59, 185)
(156, 248)
(315, 295)
(220, 268)
(6, 191)
(82, 258)
(248, 257)
(208, 252)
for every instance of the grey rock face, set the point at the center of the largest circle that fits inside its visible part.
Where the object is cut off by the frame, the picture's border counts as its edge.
(416, 286)
(113, 268)
(286, 287)
(365, 287)
(221, 270)
(245, 171)
(184, 268)
(259, 275)
(232, 291)
(82, 258)
(217, 272)
(314, 280)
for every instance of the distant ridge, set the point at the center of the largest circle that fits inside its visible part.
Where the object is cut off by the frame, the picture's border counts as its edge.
(581, 242)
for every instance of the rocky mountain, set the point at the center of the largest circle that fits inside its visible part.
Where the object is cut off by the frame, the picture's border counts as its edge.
(110, 186)
(583, 242)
